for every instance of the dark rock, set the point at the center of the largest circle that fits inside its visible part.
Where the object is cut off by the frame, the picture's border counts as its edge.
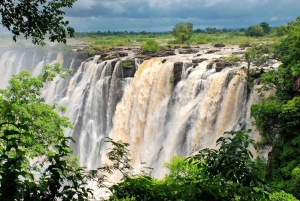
(220, 65)
(198, 60)
(123, 54)
(219, 45)
(209, 66)
(187, 51)
(212, 51)
(177, 71)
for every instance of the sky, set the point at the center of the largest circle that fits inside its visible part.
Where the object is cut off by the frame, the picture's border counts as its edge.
(162, 15)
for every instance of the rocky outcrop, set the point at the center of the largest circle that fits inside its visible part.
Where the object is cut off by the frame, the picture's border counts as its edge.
(220, 65)
(198, 60)
(177, 71)
(188, 51)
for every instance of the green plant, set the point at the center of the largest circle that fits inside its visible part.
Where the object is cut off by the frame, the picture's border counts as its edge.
(128, 64)
(36, 19)
(228, 174)
(232, 59)
(36, 161)
(172, 79)
(92, 51)
(151, 46)
(183, 31)
(277, 117)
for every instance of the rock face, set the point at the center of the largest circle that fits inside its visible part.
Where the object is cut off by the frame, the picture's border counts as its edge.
(129, 69)
(177, 71)
(220, 65)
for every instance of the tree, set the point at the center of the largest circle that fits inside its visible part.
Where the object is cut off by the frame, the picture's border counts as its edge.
(229, 173)
(151, 46)
(255, 31)
(281, 30)
(36, 18)
(36, 161)
(265, 27)
(183, 31)
(256, 54)
(277, 117)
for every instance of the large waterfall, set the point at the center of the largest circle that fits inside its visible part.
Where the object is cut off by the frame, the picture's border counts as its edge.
(157, 117)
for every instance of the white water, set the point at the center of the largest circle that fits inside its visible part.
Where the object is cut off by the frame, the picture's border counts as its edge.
(158, 120)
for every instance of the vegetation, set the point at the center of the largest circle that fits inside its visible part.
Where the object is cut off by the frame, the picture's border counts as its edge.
(36, 18)
(36, 161)
(229, 173)
(277, 117)
(183, 31)
(150, 46)
(259, 30)
(172, 79)
(128, 64)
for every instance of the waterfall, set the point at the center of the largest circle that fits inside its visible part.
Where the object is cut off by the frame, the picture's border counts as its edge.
(159, 119)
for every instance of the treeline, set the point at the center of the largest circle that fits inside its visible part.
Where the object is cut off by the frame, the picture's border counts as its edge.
(261, 29)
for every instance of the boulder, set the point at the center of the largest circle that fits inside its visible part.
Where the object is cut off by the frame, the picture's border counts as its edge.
(219, 45)
(220, 65)
(212, 51)
(198, 60)
(123, 54)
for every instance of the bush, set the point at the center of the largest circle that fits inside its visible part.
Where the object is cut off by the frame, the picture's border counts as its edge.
(151, 46)
(128, 64)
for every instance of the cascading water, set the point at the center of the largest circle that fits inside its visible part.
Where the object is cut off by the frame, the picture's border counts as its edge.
(147, 111)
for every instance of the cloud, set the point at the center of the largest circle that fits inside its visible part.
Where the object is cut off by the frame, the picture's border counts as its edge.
(157, 14)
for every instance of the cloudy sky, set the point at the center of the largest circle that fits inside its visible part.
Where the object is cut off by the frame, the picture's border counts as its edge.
(162, 15)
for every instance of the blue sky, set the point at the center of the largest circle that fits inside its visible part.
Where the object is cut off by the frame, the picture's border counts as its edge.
(162, 15)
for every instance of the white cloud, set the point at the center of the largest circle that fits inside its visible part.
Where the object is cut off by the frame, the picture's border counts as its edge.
(273, 18)
(84, 3)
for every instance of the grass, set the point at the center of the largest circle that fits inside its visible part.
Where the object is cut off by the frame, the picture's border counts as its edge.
(228, 38)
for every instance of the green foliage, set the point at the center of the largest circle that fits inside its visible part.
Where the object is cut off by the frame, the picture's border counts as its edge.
(255, 31)
(92, 51)
(151, 46)
(36, 18)
(128, 64)
(172, 79)
(281, 31)
(265, 27)
(228, 173)
(256, 54)
(282, 196)
(183, 31)
(232, 59)
(277, 117)
(34, 153)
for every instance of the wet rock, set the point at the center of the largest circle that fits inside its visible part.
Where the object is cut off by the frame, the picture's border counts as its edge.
(220, 65)
(212, 51)
(177, 71)
(209, 66)
(123, 54)
(198, 60)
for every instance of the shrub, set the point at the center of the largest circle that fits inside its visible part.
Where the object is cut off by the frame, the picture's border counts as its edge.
(151, 46)
(128, 64)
